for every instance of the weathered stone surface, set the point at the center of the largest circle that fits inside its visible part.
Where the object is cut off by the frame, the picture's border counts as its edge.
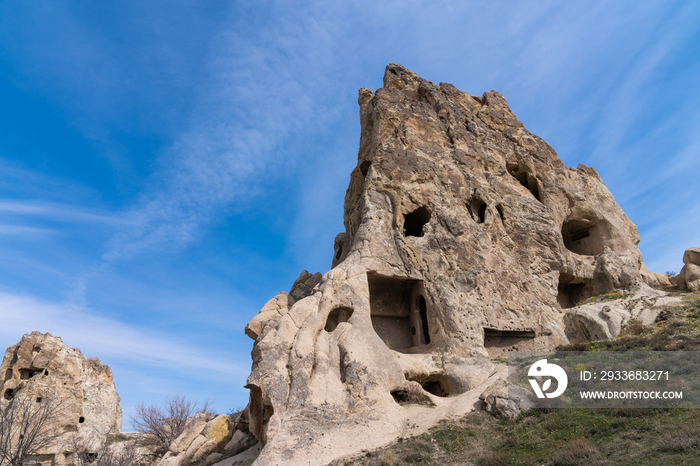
(690, 273)
(655, 279)
(506, 400)
(90, 409)
(193, 448)
(465, 236)
(245, 458)
(239, 442)
(691, 256)
(605, 320)
(213, 458)
(218, 430)
(204, 450)
(193, 428)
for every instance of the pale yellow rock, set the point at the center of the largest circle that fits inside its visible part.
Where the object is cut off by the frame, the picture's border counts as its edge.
(691, 256)
(189, 454)
(193, 428)
(218, 430)
(691, 276)
(204, 450)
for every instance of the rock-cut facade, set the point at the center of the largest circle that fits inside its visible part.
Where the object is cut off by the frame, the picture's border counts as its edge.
(465, 237)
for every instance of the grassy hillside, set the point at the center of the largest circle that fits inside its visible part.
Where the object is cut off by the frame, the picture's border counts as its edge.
(575, 436)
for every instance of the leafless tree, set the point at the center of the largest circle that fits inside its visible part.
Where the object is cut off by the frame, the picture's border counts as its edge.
(96, 450)
(28, 425)
(161, 425)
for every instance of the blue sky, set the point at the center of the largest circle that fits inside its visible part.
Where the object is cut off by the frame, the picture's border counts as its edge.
(167, 167)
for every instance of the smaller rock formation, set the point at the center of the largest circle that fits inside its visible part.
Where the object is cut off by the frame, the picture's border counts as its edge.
(656, 279)
(212, 440)
(690, 273)
(506, 400)
(605, 319)
(89, 404)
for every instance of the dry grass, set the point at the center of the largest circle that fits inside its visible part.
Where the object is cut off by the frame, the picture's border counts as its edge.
(588, 437)
(685, 438)
(576, 452)
(388, 458)
(601, 298)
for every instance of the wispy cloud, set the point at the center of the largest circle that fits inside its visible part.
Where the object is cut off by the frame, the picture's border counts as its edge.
(57, 211)
(112, 340)
(253, 104)
(23, 230)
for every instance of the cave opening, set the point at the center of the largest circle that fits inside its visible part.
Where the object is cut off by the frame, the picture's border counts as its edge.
(570, 291)
(499, 208)
(498, 341)
(401, 396)
(583, 237)
(414, 223)
(25, 374)
(337, 316)
(477, 210)
(570, 294)
(435, 387)
(526, 179)
(399, 311)
(364, 167)
(339, 252)
(423, 313)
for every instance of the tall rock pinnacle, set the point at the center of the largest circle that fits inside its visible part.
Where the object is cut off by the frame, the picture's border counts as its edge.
(465, 236)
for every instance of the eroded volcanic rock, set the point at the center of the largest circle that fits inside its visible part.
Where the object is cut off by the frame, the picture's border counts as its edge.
(465, 236)
(42, 365)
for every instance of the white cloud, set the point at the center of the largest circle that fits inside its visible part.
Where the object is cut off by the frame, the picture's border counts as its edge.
(18, 230)
(57, 211)
(111, 340)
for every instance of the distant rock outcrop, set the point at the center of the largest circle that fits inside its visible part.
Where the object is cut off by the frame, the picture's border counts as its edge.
(203, 441)
(89, 408)
(690, 273)
(465, 236)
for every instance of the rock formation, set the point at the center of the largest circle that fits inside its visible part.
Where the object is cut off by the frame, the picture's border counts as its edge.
(465, 236)
(690, 273)
(89, 404)
(204, 441)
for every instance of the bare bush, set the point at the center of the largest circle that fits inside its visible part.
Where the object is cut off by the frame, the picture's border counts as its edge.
(161, 425)
(92, 452)
(28, 425)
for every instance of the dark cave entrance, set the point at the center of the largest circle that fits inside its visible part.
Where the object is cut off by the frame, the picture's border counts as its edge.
(477, 209)
(498, 342)
(584, 237)
(399, 311)
(414, 223)
(570, 291)
(337, 316)
(526, 179)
